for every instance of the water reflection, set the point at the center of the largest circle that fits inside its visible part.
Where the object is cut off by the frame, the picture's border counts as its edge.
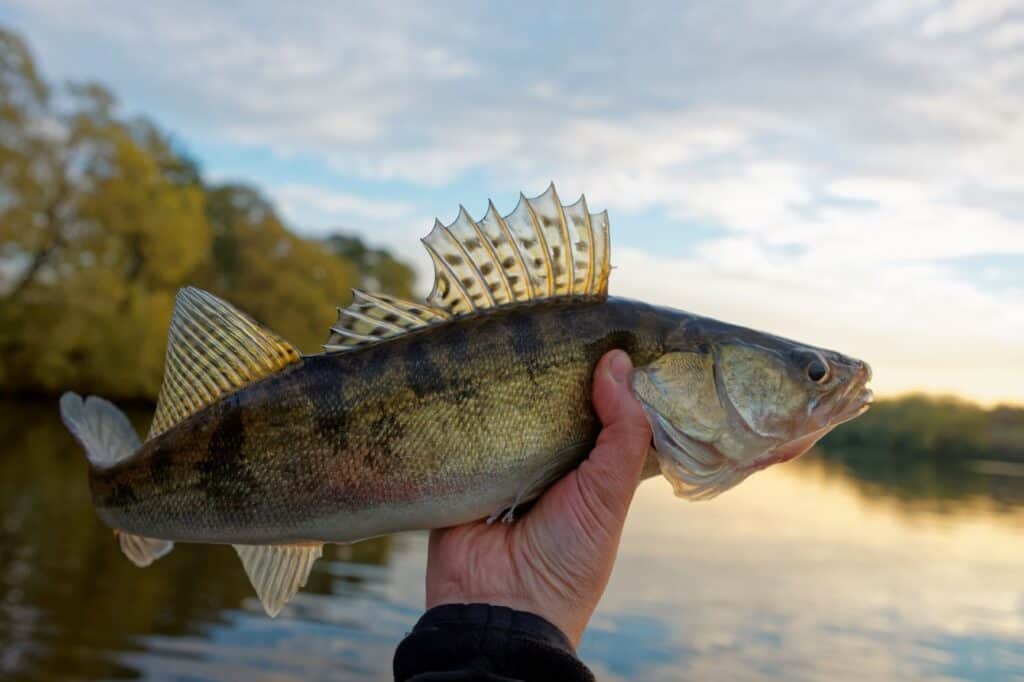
(799, 575)
(825, 569)
(932, 484)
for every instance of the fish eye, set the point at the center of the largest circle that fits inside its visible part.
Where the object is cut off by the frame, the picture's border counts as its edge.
(818, 371)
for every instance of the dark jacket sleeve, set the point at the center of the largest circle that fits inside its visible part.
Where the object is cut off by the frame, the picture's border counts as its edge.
(487, 643)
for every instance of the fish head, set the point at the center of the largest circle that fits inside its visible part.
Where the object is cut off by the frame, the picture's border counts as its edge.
(725, 402)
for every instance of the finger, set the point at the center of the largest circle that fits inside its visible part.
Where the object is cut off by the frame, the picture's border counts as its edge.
(611, 473)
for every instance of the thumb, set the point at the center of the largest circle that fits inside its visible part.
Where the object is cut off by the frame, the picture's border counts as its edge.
(610, 475)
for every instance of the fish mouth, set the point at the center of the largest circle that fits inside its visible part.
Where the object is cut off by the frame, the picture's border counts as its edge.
(854, 408)
(855, 400)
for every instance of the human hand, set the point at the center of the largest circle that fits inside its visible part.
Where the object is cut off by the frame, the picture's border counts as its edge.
(556, 560)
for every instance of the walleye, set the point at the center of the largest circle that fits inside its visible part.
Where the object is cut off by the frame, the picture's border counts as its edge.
(425, 415)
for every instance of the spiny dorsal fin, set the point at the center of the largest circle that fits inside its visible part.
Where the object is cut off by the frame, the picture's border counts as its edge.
(541, 250)
(278, 571)
(212, 349)
(377, 316)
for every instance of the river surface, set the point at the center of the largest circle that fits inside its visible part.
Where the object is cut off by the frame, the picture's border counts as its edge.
(820, 569)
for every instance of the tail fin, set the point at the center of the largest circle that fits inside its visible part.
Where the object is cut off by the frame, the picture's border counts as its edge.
(100, 428)
(108, 438)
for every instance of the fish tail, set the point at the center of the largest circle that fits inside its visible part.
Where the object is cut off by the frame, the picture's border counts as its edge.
(107, 437)
(100, 428)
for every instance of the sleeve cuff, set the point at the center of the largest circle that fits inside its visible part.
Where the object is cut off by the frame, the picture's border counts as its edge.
(488, 642)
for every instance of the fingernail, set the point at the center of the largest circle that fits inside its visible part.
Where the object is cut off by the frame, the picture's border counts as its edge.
(620, 367)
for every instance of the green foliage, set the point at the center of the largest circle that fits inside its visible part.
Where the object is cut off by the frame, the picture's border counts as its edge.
(380, 272)
(1006, 431)
(290, 284)
(102, 220)
(922, 426)
(929, 449)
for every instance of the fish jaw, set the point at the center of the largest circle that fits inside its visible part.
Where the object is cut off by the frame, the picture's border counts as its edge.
(857, 400)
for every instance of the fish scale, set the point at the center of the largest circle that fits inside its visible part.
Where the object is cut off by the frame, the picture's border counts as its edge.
(433, 414)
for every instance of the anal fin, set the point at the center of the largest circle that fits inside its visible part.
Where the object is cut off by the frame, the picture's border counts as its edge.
(277, 572)
(142, 551)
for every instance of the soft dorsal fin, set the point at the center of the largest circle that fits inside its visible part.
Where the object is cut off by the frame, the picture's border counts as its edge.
(541, 250)
(377, 316)
(212, 350)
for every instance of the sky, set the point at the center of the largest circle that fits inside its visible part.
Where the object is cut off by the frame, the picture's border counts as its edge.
(846, 172)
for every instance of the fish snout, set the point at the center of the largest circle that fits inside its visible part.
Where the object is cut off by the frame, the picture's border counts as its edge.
(857, 397)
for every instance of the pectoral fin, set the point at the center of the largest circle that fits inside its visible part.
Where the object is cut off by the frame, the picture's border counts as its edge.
(695, 470)
(278, 571)
(556, 467)
(679, 395)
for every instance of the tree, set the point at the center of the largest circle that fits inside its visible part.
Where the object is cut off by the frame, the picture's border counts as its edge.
(103, 219)
(100, 227)
(291, 285)
(380, 271)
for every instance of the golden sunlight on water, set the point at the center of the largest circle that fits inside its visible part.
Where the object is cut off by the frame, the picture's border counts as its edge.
(799, 575)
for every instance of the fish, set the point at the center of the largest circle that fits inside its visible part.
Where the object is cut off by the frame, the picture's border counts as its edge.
(421, 415)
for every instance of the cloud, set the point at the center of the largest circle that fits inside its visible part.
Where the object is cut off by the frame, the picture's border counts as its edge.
(966, 15)
(339, 206)
(832, 89)
(320, 211)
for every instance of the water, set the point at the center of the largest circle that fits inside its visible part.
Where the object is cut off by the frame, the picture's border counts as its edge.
(816, 570)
